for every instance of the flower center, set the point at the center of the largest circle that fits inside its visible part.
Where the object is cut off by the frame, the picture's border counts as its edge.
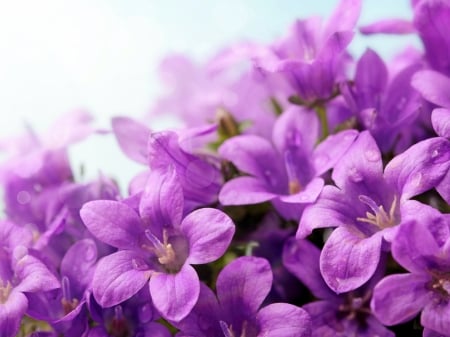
(440, 285)
(379, 217)
(118, 326)
(68, 303)
(5, 290)
(356, 307)
(170, 257)
(228, 329)
(294, 185)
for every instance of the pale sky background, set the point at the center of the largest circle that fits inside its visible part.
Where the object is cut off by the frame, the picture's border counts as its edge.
(102, 55)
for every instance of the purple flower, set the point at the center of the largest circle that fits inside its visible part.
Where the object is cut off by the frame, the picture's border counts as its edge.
(367, 205)
(241, 288)
(20, 274)
(155, 243)
(387, 109)
(435, 88)
(431, 21)
(198, 173)
(342, 315)
(312, 56)
(422, 247)
(64, 308)
(287, 171)
(134, 317)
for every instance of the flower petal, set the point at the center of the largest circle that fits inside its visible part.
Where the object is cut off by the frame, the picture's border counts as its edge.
(78, 265)
(174, 295)
(34, 276)
(272, 321)
(329, 151)
(209, 233)
(301, 258)
(118, 277)
(361, 166)
(441, 121)
(252, 154)
(344, 17)
(132, 137)
(243, 284)
(436, 316)
(388, 26)
(333, 208)
(433, 86)
(204, 317)
(398, 298)
(349, 259)
(113, 222)
(307, 195)
(297, 127)
(11, 313)
(414, 246)
(162, 201)
(419, 168)
(245, 191)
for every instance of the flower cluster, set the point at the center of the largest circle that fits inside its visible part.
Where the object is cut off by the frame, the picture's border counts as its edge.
(307, 195)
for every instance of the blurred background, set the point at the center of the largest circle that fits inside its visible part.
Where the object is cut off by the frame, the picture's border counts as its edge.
(103, 55)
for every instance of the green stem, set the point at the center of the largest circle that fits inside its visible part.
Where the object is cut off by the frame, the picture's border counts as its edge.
(322, 114)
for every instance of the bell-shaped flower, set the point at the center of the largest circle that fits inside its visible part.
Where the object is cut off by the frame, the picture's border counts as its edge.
(241, 288)
(387, 107)
(312, 57)
(340, 315)
(20, 275)
(286, 171)
(157, 243)
(367, 205)
(422, 247)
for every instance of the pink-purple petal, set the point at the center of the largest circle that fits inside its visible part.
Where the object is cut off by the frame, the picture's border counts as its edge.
(440, 118)
(436, 316)
(308, 195)
(296, 126)
(360, 166)
(244, 284)
(344, 17)
(251, 154)
(118, 277)
(329, 151)
(113, 222)
(209, 233)
(11, 313)
(398, 298)
(245, 191)
(434, 87)
(34, 276)
(333, 208)
(162, 201)
(419, 168)
(414, 246)
(174, 295)
(283, 320)
(301, 258)
(349, 259)
(132, 137)
(388, 26)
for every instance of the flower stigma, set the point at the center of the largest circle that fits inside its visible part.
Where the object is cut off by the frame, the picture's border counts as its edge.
(379, 217)
(165, 252)
(68, 303)
(294, 185)
(227, 330)
(5, 290)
